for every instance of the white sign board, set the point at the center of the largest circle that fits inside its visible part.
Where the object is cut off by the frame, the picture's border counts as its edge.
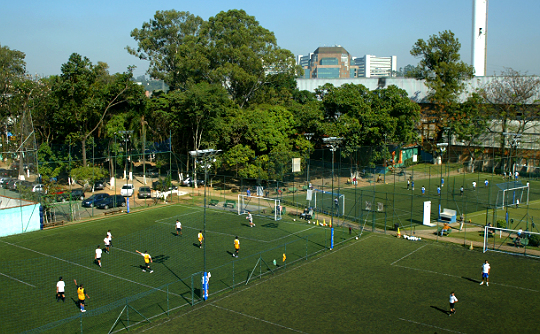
(427, 214)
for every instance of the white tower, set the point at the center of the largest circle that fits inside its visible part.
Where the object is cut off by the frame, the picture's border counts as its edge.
(479, 36)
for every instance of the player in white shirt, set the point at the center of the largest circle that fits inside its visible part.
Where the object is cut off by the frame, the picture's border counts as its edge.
(474, 185)
(107, 243)
(109, 235)
(98, 255)
(178, 227)
(453, 300)
(485, 273)
(250, 218)
(60, 289)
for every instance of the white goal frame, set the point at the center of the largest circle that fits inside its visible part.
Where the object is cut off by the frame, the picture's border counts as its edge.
(497, 239)
(341, 200)
(524, 190)
(259, 206)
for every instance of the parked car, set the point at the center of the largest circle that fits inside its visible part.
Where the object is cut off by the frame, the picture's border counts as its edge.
(127, 190)
(4, 181)
(163, 185)
(111, 202)
(74, 195)
(144, 192)
(37, 188)
(91, 201)
(99, 185)
(189, 182)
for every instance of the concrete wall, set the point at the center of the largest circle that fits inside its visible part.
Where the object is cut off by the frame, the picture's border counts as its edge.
(20, 219)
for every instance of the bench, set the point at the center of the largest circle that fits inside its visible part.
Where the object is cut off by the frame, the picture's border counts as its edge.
(230, 203)
(214, 202)
(305, 188)
(112, 212)
(293, 189)
(520, 242)
(446, 232)
(448, 215)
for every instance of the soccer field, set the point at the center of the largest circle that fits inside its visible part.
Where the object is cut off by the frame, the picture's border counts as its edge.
(384, 205)
(378, 284)
(34, 262)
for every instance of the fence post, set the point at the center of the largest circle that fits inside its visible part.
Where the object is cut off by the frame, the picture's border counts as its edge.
(307, 247)
(192, 292)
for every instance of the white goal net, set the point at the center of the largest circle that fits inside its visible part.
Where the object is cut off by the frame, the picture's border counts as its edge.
(510, 241)
(512, 193)
(260, 206)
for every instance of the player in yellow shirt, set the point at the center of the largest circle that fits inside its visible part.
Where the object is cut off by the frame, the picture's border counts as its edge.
(81, 294)
(147, 261)
(201, 238)
(236, 247)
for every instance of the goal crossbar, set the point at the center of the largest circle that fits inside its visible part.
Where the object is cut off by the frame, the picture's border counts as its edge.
(259, 206)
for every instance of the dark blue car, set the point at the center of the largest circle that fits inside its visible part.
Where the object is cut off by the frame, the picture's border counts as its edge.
(92, 200)
(111, 202)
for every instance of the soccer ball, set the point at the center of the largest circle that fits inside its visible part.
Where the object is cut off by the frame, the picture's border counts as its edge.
(356, 238)
(294, 220)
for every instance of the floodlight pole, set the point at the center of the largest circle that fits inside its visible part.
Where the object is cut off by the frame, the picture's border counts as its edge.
(442, 148)
(333, 143)
(308, 137)
(206, 157)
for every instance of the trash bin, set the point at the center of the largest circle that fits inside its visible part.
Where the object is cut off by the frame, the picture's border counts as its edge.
(396, 226)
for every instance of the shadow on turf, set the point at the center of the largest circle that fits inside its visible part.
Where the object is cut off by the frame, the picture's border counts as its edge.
(440, 309)
(271, 225)
(470, 279)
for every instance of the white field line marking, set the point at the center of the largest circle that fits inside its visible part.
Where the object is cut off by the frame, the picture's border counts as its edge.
(455, 276)
(259, 319)
(262, 282)
(245, 238)
(427, 325)
(92, 269)
(414, 251)
(18, 280)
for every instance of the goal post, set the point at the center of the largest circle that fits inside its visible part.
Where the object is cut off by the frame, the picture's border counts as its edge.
(325, 201)
(260, 206)
(504, 240)
(512, 193)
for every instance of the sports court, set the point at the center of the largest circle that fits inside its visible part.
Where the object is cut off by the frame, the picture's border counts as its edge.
(378, 284)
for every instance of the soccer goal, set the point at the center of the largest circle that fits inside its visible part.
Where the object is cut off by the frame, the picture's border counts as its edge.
(260, 206)
(512, 193)
(328, 202)
(504, 240)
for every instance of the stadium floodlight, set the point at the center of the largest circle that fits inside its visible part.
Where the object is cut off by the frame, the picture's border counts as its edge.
(333, 143)
(206, 158)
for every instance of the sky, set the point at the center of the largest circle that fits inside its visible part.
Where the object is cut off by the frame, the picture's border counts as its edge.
(48, 32)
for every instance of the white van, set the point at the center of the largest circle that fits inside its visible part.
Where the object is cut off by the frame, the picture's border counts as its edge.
(127, 190)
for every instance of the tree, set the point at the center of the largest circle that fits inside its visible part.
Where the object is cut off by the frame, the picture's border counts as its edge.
(444, 73)
(171, 42)
(469, 123)
(241, 53)
(12, 69)
(87, 93)
(511, 100)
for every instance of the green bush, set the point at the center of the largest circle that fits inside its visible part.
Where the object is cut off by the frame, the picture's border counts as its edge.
(501, 223)
(534, 240)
